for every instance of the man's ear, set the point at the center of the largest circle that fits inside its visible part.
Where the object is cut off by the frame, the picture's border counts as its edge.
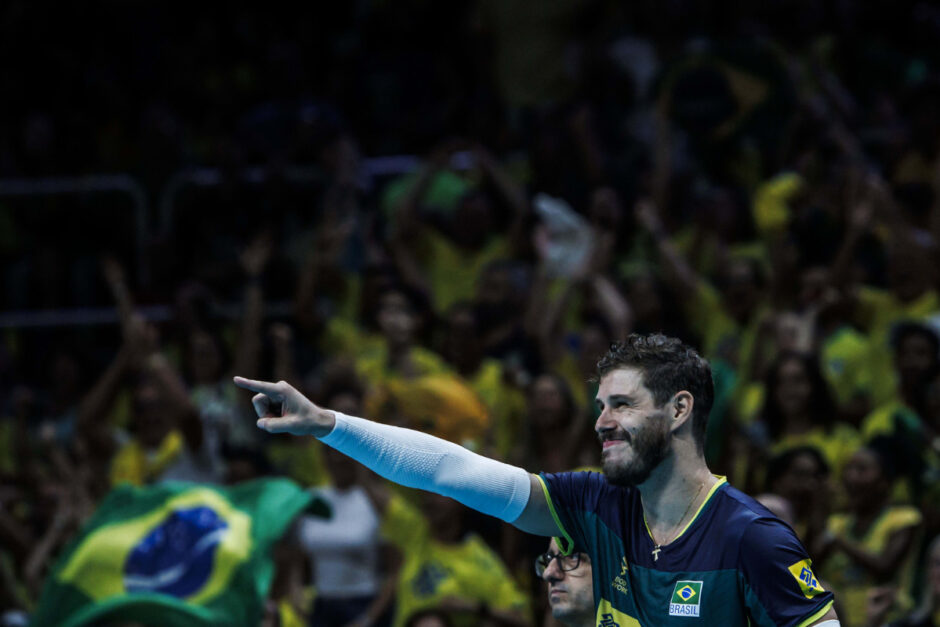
(680, 409)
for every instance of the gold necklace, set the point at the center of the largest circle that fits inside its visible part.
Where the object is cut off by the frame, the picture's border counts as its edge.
(659, 547)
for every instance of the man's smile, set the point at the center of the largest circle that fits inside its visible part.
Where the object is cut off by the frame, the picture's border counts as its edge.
(613, 438)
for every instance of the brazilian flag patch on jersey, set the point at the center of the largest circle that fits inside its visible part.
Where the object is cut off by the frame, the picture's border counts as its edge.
(809, 585)
(686, 599)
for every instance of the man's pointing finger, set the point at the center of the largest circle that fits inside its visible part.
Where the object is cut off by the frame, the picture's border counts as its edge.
(263, 387)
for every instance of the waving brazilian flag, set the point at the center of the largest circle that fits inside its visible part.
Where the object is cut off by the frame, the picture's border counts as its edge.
(174, 554)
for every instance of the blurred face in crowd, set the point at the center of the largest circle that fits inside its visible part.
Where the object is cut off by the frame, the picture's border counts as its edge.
(634, 432)
(570, 592)
(864, 480)
(495, 295)
(644, 298)
(740, 289)
(397, 319)
(606, 211)
(205, 357)
(346, 402)
(376, 281)
(473, 220)
(547, 403)
(909, 273)
(445, 516)
(794, 388)
(814, 286)
(594, 343)
(801, 480)
(462, 346)
(915, 357)
(152, 415)
(343, 470)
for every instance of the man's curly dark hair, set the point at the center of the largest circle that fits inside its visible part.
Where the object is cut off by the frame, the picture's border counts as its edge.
(668, 366)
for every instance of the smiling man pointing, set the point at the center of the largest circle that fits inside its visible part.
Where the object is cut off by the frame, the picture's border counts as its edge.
(667, 539)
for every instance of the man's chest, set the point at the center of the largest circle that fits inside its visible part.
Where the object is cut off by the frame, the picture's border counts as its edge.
(628, 594)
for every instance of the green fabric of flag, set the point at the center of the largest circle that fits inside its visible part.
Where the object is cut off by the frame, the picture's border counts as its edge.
(174, 554)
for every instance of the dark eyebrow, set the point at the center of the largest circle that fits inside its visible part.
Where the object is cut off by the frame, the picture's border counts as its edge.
(624, 398)
(614, 398)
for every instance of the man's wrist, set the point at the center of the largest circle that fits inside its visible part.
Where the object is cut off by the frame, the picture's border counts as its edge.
(324, 422)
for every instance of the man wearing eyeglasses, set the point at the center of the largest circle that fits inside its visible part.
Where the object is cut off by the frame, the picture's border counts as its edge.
(570, 586)
(670, 543)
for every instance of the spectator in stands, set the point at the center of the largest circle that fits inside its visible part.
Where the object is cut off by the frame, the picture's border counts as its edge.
(491, 379)
(916, 359)
(206, 364)
(446, 261)
(798, 410)
(844, 192)
(166, 438)
(927, 614)
(448, 567)
(556, 428)
(570, 587)
(874, 542)
(725, 316)
(346, 553)
(800, 475)
(911, 295)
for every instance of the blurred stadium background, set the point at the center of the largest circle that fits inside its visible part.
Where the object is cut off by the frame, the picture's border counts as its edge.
(439, 215)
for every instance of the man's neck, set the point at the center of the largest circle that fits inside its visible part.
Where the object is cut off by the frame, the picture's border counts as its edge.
(673, 485)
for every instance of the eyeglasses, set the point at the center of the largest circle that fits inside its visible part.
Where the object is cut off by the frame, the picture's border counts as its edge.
(565, 562)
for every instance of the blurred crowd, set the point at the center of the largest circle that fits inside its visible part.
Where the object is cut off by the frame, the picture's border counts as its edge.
(760, 181)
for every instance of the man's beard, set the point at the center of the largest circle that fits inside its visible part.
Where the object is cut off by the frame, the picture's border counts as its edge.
(650, 447)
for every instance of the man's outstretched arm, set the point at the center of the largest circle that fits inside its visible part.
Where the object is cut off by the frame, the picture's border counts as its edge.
(410, 458)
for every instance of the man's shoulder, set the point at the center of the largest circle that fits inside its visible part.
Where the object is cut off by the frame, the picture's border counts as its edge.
(735, 500)
(745, 518)
(580, 480)
(587, 491)
(763, 540)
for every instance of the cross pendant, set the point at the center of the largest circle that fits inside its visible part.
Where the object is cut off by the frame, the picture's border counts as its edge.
(656, 553)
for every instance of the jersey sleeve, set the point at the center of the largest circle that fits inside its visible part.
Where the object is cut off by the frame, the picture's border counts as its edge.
(570, 495)
(780, 587)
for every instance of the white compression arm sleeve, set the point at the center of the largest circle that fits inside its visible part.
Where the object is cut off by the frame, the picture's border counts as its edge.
(419, 460)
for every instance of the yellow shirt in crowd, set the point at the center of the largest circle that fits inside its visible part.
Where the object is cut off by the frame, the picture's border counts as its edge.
(849, 580)
(878, 310)
(432, 572)
(135, 465)
(452, 271)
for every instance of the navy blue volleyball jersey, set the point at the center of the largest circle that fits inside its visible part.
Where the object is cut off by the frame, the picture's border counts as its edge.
(735, 563)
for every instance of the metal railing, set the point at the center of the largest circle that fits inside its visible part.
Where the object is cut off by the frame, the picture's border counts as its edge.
(145, 229)
(118, 183)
